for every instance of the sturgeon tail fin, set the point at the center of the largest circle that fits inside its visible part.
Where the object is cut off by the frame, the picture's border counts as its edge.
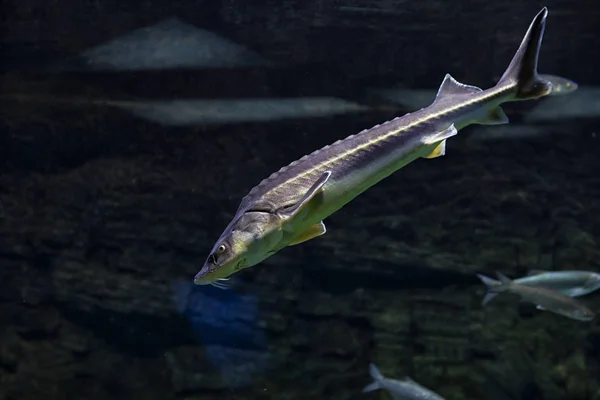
(522, 70)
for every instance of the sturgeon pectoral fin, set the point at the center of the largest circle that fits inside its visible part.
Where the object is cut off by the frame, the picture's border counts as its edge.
(439, 151)
(297, 209)
(311, 233)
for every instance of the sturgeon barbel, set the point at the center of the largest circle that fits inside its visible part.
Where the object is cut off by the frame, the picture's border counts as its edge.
(289, 206)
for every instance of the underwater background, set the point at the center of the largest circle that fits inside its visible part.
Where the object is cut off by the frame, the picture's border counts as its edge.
(129, 132)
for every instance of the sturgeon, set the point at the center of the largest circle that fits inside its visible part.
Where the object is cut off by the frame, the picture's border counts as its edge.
(289, 207)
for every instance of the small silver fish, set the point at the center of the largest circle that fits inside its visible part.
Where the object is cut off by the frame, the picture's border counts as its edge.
(584, 103)
(545, 299)
(405, 389)
(569, 283)
(560, 85)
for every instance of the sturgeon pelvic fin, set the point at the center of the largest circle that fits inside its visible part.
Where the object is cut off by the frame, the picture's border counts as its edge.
(439, 138)
(439, 151)
(522, 70)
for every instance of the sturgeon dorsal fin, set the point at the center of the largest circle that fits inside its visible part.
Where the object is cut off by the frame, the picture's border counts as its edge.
(452, 87)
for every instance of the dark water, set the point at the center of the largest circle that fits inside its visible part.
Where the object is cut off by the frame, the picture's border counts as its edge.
(129, 132)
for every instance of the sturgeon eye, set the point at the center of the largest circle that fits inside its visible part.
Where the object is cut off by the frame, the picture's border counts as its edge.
(221, 249)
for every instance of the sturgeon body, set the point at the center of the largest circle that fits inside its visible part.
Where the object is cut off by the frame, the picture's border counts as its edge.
(289, 206)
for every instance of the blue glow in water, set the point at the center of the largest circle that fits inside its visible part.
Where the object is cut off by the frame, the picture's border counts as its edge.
(226, 323)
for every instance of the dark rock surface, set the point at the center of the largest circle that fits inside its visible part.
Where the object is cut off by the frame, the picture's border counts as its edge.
(105, 218)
